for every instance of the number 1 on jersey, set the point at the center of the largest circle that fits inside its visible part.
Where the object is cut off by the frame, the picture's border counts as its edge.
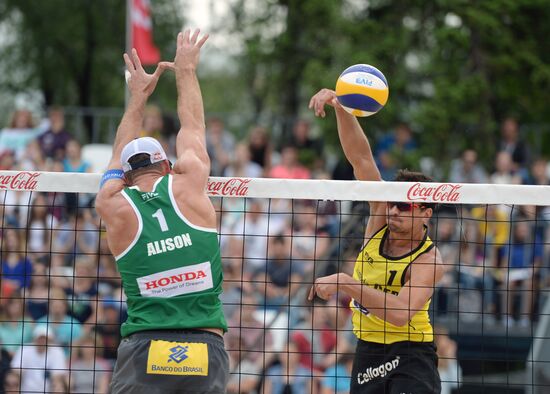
(162, 220)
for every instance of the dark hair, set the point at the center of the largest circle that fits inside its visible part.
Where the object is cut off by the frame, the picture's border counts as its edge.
(406, 175)
(137, 159)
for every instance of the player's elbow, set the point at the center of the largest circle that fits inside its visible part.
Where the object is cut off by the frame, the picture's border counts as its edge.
(100, 203)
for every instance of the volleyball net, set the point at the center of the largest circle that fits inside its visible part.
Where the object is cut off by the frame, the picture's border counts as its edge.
(62, 303)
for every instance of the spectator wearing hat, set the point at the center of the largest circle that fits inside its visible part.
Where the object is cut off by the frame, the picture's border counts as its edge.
(40, 364)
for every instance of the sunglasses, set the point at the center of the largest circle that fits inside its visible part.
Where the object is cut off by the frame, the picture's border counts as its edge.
(404, 206)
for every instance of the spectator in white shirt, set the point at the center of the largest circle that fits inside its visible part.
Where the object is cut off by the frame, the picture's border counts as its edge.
(40, 364)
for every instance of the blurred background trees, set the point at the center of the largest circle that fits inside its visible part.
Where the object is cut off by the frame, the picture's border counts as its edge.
(455, 67)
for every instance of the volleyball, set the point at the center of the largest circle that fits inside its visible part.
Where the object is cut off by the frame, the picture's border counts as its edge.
(362, 90)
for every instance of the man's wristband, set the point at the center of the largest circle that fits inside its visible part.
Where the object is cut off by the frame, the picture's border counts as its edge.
(111, 174)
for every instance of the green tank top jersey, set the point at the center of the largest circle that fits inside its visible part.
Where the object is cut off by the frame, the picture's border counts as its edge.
(171, 272)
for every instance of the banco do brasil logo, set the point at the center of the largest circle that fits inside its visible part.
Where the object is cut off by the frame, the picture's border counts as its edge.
(178, 354)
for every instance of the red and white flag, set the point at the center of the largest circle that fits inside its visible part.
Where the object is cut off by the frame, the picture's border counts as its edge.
(142, 32)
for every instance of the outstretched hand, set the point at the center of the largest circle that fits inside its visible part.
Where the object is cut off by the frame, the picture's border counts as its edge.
(324, 287)
(322, 98)
(188, 49)
(140, 82)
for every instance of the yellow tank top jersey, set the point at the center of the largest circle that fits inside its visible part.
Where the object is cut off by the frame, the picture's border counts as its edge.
(384, 273)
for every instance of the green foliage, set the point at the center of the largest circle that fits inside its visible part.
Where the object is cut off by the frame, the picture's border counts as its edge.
(456, 68)
(72, 50)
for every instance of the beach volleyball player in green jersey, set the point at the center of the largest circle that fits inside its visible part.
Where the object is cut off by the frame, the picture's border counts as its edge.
(161, 228)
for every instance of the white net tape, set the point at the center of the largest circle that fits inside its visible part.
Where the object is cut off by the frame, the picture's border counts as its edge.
(258, 215)
(445, 193)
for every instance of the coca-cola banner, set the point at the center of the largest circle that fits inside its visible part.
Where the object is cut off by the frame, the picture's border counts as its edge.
(446, 193)
(228, 187)
(22, 181)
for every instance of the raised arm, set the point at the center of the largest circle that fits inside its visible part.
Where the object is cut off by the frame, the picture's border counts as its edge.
(357, 149)
(192, 157)
(354, 142)
(140, 85)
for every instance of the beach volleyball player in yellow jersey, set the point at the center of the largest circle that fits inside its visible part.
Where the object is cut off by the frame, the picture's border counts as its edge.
(393, 279)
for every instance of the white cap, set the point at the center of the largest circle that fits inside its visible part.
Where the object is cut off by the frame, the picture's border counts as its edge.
(147, 145)
(42, 330)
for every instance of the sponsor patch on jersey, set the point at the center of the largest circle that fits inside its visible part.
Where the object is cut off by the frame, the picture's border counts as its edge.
(148, 196)
(177, 358)
(177, 281)
(380, 371)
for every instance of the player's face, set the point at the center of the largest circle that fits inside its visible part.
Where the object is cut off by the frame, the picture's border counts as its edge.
(405, 217)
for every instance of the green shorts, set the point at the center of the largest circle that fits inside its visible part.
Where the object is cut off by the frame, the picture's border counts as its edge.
(179, 361)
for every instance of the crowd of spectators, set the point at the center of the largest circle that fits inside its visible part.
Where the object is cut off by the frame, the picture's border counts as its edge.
(61, 302)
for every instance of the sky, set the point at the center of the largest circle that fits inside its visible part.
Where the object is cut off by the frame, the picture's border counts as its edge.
(205, 15)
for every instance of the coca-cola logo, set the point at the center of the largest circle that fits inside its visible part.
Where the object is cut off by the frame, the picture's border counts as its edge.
(21, 181)
(445, 192)
(236, 187)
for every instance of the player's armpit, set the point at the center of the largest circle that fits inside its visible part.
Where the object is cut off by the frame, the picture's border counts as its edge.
(109, 197)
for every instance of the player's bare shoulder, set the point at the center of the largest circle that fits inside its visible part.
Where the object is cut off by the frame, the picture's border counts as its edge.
(193, 202)
(432, 261)
(120, 220)
(431, 256)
